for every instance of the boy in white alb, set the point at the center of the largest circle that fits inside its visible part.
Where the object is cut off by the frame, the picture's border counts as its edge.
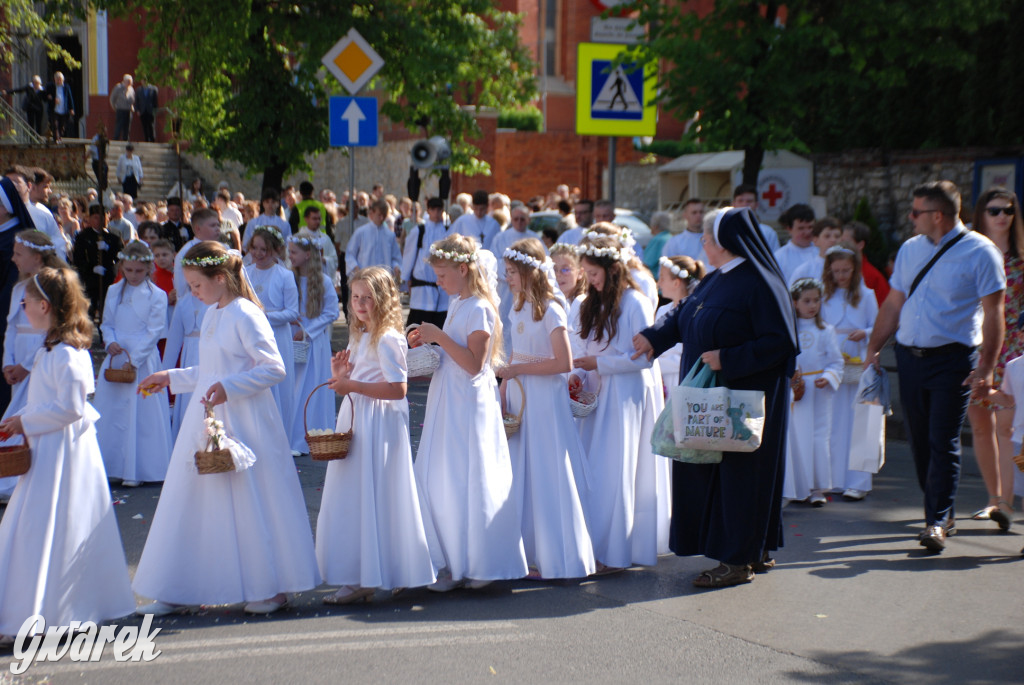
(798, 221)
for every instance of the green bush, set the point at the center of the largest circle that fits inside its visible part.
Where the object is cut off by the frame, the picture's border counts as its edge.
(526, 119)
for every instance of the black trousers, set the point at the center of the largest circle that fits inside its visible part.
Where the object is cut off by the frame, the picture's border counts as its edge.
(934, 401)
(123, 124)
(131, 186)
(148, 129)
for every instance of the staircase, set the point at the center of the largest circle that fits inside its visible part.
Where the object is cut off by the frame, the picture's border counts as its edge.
(159, 169)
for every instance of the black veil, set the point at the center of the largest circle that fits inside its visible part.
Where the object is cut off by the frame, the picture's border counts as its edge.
(737, 231)
(18, 209)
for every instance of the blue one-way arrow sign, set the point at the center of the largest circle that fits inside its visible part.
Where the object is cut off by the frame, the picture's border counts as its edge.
(353, 122)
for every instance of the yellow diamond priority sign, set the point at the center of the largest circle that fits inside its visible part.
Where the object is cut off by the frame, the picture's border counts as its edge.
(352, 61)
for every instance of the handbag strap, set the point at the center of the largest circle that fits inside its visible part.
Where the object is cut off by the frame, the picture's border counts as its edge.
(931, 263)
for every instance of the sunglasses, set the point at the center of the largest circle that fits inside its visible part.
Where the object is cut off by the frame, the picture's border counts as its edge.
(994, 211)
(918, 212)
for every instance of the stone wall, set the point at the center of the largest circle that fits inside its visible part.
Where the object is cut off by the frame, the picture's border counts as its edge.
(887, 179)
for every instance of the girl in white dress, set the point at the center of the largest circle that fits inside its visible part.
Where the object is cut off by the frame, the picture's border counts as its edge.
(241, 536)
(183, 342)
(370, 531)
(60, 550)
(318, 309)
(571, 281)
(32, 251)
(134, 431)
(462, 467)
(547, 456)
(624, 516)
(275, 285)
(808, 460)
(851, 308)
(677, 276)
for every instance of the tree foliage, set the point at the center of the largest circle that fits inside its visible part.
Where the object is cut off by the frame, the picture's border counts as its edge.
(251, 88)
(24, 23)
(800, 74)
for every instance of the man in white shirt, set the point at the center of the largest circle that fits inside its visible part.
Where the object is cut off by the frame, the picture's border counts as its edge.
(478, 224)
(374, 244)
(798, 221)
(223, 201)
(129, 210)
(745, 195)
(129, 171)
(688, 241)
(583, 210)
(427, 302)
(39, 189)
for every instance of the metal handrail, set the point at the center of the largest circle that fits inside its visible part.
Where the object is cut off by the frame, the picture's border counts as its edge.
(14, 130)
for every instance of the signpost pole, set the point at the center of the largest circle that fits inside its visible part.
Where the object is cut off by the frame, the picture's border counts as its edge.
(611, 169)
(351, 194)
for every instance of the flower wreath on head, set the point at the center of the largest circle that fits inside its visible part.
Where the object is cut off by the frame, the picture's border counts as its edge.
(272, 230)
(305, 241)
(839, 249)
(605, 252)
(522, 258)
(212, 260)
(457, 257)
(674, 269)
(33, 246)
(135, 258)
(802, 284)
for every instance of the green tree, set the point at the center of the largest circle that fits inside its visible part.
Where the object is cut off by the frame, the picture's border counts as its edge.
(251, 88)
(24, 23)
(759, 73)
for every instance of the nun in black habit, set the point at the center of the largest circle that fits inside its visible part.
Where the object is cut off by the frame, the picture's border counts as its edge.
(740, 320)
(14, 217)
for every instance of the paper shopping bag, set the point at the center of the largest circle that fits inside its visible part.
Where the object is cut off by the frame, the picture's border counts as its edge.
(867, 445)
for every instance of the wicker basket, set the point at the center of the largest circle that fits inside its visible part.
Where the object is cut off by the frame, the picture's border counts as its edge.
(300, 348)
(798, 385)
(213, 460)
(513, 422)
(333, 445)
(125, 374)
(15, 460)
(422, 360)
(586, 404)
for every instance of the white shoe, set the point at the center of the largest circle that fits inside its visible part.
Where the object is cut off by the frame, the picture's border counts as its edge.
(854, 495)
(130, 484)
(162, 609)
(818, 498)
(267, 606)
(477, 584)
(446, 585)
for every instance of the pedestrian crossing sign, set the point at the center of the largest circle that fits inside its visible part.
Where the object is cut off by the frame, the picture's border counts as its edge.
(613, 101)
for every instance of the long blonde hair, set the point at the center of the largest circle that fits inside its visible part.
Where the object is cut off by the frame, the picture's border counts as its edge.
(68, 305)
(457, 249)
(387, 307)
(211, 258)
(536, 287)
(313, 270)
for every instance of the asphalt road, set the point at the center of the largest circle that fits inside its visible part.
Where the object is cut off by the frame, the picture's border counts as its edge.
(854, 599)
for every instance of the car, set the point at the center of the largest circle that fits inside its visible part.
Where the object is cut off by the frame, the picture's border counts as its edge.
(623, 217)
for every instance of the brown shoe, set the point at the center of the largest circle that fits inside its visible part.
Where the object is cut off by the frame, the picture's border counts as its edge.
(764, 565)
(724, 575)
(934, 538)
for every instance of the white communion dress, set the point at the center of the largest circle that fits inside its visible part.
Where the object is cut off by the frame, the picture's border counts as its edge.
(463, 468)
(808, 461)
(21, 342)
(240, 536)
(622, 508)
(370, 530)
(60, 549)
(134, 431)
(547, 455)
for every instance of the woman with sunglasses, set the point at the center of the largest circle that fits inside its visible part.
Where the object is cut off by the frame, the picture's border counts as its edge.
(997, 216)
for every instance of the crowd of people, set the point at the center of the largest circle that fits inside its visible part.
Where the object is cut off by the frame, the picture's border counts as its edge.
(555, 355)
